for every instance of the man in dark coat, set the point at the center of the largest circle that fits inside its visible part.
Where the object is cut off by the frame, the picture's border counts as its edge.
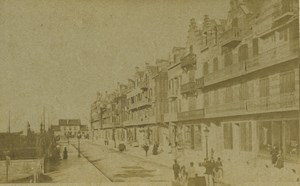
(176, 169)
(274, 153)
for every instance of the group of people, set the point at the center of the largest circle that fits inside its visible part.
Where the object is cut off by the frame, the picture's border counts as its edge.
(199, 175)
(277, 158)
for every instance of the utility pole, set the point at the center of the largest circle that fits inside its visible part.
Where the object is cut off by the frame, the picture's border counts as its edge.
(9, 122)
(44, 118)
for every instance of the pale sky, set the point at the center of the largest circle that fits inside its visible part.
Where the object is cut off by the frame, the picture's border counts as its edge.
(59, 53)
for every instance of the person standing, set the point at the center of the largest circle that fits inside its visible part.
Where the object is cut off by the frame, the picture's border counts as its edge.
(191, 174)
(176, 169)
(217, 177)
(280, 162)
(65, 153)
(274, 153)
(146, 148)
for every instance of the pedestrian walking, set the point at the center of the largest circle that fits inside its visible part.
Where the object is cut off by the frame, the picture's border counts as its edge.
(146, 148)
(176, 170)
(217, 177)
(274, 153)
(280, 161)
(219, 164)
(183, 176)
(191, 174)
(65, 156)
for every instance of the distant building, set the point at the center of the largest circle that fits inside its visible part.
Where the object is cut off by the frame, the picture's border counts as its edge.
(56, 130)
(84, 130)
(69, 126)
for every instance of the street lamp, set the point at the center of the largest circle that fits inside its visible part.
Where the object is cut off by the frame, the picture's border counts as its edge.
(78, 137)
(206, 132)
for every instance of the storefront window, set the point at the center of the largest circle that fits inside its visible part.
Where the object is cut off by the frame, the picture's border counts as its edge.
(246, 136)
(228, 138)
(265, 136)
(197, 137)
(292, 138)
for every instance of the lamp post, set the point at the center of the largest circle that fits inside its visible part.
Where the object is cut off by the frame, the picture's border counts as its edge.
(78, 137)
(206, 132)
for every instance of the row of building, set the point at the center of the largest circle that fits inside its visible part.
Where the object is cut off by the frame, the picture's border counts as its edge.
(237, 77)
(70, 128)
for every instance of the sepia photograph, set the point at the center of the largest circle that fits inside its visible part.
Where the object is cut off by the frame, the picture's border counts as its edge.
(150, 92)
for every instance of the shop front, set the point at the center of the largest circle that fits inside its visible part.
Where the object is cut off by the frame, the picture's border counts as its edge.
(283, 134)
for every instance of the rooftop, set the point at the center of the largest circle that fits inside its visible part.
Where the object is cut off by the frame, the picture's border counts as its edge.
(68, 122)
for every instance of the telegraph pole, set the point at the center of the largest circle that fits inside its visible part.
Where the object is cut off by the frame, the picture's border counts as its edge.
(9, 122)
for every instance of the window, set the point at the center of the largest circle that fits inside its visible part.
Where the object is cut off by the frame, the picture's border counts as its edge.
(215, 65)
(228, 95)
(206, 99)
(244, 91)
(216, 35)
(243, 53)
(205, 68)
(264, 87)
(235, 22)
(287, 82)
(228, 138)
(216, 97)
(246, 136)
(228, 58)
(283, 35)
(255, 46)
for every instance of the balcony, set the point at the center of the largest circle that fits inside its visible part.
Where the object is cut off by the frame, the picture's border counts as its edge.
(143, 85)
(199, 83)
(143, 103)
(234, 70)
(203, 47)
(107, 125)
(231, 37)
(281, 102)
(273, 56)
(172, 94)
(140, 121)
(191, 115)
(282, 12)
(280, 54)
(170, 117)
(275, 103)
(189, 61)
(188, 87)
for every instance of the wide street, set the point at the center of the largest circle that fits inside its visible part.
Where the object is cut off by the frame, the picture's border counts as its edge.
(121, 167)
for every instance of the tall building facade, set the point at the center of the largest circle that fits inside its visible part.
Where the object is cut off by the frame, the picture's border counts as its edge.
(233, 88)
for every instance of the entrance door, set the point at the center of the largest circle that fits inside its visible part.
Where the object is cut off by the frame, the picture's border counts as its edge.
(277, 134)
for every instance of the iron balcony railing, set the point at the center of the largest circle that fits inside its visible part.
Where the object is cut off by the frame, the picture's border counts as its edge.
(188, 61)
(231, 36)
(265, 59)
(283, 9)
(188, 87)
(199, 83)
(191, 115)
(281, 102)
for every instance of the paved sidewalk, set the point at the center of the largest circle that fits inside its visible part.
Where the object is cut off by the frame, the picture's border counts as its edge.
(236, 172)
(76, 170)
